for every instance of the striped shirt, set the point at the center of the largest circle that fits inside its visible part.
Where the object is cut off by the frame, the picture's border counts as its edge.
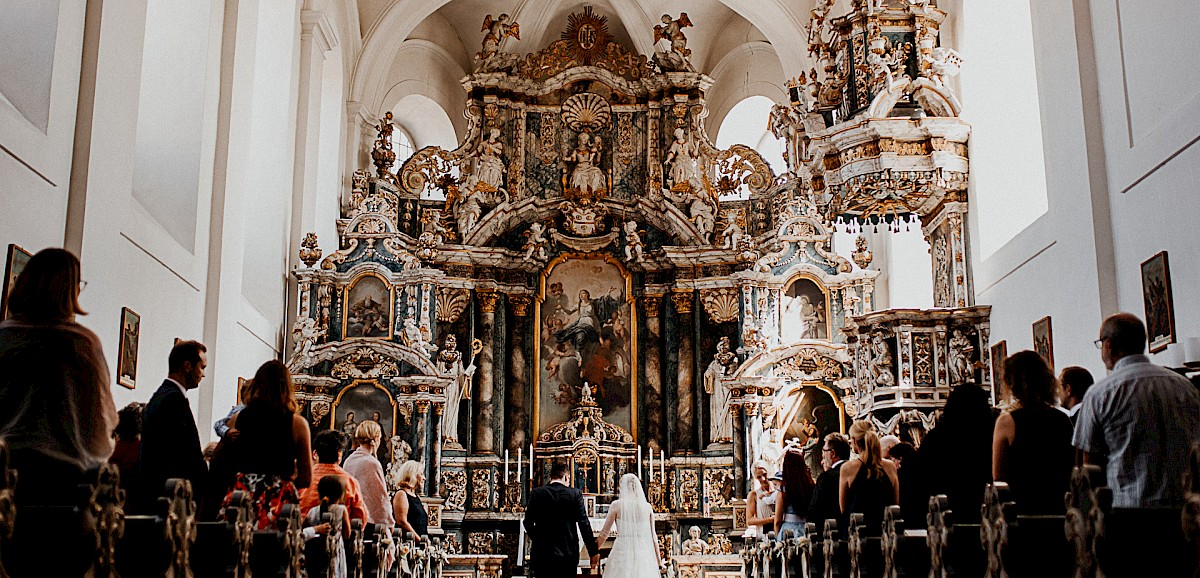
(1144, 418)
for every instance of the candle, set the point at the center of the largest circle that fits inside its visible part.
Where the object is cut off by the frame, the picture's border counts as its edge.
(639, 462)
(662, 466)
(520, 454)
(531, 465)
(651, 464)
(506, 466)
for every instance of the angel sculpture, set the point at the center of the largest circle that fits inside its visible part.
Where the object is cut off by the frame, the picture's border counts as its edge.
(633, 242)
(490, 58)
(732, 233)
(535, 245)
(943, 63)
(670, 45)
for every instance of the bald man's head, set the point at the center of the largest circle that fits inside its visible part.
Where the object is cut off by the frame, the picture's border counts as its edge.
(1123, 335)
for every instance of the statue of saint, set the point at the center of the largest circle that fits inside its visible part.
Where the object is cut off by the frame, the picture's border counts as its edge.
(587, 174)
(724, 362)
(449, 362)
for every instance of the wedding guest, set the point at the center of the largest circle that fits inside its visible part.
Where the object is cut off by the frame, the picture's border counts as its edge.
(327, 445)
(791, 506)
(273, 439)
(956, 455)
(128, 434)
(170, 442)
(56, 409)
(867, 484)
(410, 513)
(760, 502)
(366, 469)
(1075, 383)
(1031, 447)
(835, 450)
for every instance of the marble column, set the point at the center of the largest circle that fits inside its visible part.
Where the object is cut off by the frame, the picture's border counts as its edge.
(421, 431)
(516, 412)
(653, 363)
(485, 415)
(435, 468)
(685, 415)
(739, 445)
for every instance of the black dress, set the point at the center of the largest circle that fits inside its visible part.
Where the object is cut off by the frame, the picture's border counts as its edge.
(869, 496)
(417, 517)
(1038, 464)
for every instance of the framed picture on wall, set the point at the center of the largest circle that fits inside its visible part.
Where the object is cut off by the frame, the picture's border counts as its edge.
(127, 350)
(999, 354)
(1043, 340)
(17, 258)
(1156, 296)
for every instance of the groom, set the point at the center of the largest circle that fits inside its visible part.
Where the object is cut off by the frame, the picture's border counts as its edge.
(553, 513)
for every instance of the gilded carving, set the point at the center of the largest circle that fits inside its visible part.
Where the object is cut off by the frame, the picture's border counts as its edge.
(479, 543)
(718, 489)
(364, 363)
(721, 304)
(651, 304)
(451, 303)
(454, 489)
(689, 490)
(481, 489)
(810, 365)
(520, 303)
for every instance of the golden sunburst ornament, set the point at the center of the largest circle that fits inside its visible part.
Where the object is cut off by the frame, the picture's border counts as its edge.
(586, 35)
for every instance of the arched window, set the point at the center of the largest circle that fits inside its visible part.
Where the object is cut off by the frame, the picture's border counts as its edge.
(402, 145)
(747, 124)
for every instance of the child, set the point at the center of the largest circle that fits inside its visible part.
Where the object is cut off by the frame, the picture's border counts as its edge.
(330, 490)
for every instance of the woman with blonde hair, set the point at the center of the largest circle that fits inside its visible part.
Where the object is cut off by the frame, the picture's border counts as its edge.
(868, 484)
(365, 468)
(409, 511)
(760, 503)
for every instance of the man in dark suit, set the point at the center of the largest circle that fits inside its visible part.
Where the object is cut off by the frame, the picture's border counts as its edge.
(834, 452)
(170, 442)
(552, 514)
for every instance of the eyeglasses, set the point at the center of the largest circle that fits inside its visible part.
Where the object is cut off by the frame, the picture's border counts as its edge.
(1099, 342)
(827, 449)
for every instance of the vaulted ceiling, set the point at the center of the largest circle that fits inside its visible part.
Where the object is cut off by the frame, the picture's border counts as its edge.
(425, 47)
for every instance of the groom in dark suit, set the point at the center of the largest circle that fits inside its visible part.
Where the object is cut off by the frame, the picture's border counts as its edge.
(170, 442)
(553, 513)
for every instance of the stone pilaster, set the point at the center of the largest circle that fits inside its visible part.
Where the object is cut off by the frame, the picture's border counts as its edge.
(485, 417)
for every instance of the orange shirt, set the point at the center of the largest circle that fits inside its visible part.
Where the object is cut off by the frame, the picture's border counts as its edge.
(352, 498)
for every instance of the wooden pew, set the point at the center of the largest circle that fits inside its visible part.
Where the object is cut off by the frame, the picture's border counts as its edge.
(905, 551)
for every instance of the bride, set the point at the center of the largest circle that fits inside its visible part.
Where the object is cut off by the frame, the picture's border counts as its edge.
(635, 553)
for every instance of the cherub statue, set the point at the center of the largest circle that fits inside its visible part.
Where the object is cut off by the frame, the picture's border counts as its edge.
(633, 242)
(670, 45)
(535, 245)
(490, 58)
(943, 63)
(305, 335)
(417, 337)
(732, 233)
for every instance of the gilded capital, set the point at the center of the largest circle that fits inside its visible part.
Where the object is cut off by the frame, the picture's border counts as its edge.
(682, 299)
(422, 405)
(520, 304)
(487, 300)
(651, 304)
(438, 408)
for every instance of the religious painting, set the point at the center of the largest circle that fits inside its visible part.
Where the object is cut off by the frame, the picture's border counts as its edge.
(17, 259)
(999, 354)
(804, 312)
(367, 309)
(366, 401)
(810, 413)
(1043, 340)
(586, 334)
(127, 350)
(1160, 308)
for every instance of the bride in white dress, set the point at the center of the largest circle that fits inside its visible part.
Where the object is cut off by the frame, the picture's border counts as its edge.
(635, 553)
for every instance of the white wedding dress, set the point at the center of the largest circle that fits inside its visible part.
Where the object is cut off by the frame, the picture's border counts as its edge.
(634, 553)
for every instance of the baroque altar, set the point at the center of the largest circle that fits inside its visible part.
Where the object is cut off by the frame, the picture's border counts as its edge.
(587, 277)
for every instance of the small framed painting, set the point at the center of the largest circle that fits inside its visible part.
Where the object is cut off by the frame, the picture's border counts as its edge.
(1160, 308)
(1043, 340)
(17, 259)
(999, 354)
(127, 350)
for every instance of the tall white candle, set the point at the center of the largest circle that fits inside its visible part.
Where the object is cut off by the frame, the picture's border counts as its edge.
(530, 465)
(506, 466)
(520, 463)
(651, 452)
(662, 465)
(639, 462)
